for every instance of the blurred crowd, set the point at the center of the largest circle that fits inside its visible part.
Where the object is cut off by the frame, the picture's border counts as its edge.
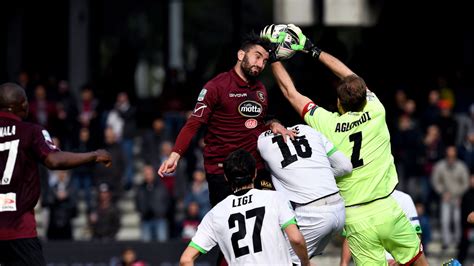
(169, 208)
(433, 148)
(434, 154)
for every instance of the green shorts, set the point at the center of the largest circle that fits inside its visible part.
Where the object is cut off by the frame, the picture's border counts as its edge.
(381, 225)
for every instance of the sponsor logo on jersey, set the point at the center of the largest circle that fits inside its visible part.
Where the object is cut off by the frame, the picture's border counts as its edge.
(250, 109)
(261, 96)
(48, 139)
(199, 109)
(237, 95)
(8, 202)
(202, 94)
(251, 123)
(265, 184)
(346, 126)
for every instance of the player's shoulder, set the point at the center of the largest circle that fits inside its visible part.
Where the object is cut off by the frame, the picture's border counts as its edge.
(269, 194)
(397, 194)
(27, 128)
(221, 78)
(373, 101)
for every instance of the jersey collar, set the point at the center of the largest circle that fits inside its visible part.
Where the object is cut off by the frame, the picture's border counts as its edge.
(9, 115)
(242, 192)
(240, 82)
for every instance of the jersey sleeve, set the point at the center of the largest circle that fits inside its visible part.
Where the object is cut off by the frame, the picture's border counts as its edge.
(205, 238)
(328, 146)
(206, 102)
(42, 143)
(286, 214)
(317, 117)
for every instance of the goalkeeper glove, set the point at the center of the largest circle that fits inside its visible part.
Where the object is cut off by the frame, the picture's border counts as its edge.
(303, 43)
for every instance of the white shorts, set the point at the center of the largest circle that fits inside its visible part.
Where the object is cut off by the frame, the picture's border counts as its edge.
(318, 222)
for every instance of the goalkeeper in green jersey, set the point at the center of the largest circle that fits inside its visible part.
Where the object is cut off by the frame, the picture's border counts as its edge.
(374, 220)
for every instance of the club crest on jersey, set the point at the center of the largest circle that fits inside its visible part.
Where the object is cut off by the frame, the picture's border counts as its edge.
(199, 109)
(251, 123)
(202, 94)
(250, 109)
(261, 96)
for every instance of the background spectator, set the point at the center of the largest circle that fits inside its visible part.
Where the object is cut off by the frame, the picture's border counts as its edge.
(62, 205)
(123, 122)
(153, 202)
(450, 180)
(104, 220)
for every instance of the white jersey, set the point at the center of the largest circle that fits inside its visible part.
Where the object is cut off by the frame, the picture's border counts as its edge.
(300, 168)
(248, 228)
(408, 206)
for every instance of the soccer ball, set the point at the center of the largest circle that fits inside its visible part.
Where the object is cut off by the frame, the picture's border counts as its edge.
(277, 34)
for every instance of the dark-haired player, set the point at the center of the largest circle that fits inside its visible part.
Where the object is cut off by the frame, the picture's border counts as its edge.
(248, 225)
(22, 146)
(233, 105)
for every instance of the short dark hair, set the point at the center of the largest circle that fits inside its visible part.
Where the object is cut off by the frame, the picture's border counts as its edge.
(239, 168)
(10, 95)
(252, 39)
(352, 93)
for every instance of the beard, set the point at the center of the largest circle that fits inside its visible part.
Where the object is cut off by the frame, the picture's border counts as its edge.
(251, 72)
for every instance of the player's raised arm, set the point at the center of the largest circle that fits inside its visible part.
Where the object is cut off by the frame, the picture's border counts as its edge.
(335, 65)
(283, 79)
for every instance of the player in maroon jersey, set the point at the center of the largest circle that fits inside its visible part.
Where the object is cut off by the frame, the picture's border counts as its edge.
(22, 146)
(233, 105)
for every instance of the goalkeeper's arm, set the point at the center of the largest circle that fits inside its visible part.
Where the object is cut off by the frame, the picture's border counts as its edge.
(297, 100)
(335, 65)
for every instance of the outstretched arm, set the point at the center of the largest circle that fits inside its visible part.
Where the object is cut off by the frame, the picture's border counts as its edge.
(67, 160)
(297, 100)
(335, 65)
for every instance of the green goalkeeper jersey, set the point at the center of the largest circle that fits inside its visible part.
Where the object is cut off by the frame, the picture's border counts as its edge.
(363, 137)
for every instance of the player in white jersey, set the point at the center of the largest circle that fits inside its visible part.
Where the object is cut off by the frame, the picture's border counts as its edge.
(304, 169)
(408, 206)
(248, 225)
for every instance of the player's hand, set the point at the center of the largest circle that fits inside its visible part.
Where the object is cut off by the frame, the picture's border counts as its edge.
(304, 44)
(169, 165)
(278, 128)
(275, 33)
(103, 156)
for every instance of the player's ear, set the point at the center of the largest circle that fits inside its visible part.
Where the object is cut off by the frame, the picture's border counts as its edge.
(240, 55)
(339, 107)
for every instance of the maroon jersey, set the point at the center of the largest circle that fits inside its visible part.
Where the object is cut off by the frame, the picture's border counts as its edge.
(22, 146)
(234, 112)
